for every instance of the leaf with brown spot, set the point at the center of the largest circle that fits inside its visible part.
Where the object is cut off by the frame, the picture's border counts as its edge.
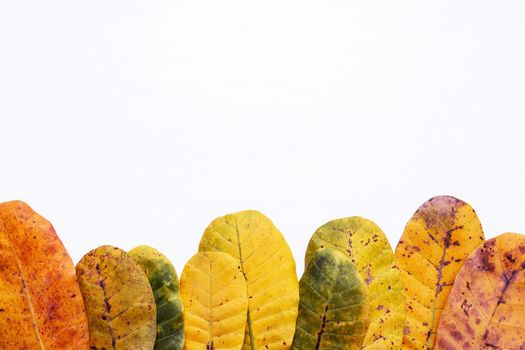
(434, 245)
(119, 300)
(367, 246)
(486, 307)
(40, 302)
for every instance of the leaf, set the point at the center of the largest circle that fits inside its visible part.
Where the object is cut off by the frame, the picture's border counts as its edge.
(367, 246)
(333, 309)
(269, 269)
(165, 284)
(215, 302)
(119, 301)
(40, 302)
(432, 249)
(486, 307)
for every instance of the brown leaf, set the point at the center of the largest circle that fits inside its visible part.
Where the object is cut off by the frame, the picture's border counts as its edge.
(486, 307)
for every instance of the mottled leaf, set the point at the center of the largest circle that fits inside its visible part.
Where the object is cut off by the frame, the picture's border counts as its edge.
(333, 308)
(165, 284)
(486, 307)
(269, 269)
(119, 301)
(431, 251)
(367, 246)
(40, 302)
(215, 302)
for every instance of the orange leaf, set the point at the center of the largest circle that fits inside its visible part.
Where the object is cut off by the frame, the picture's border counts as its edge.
(40, 302)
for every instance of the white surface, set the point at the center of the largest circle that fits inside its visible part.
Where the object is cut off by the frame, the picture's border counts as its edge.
(126, 123)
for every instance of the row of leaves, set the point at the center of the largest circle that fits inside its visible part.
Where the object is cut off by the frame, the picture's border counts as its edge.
(445, 287)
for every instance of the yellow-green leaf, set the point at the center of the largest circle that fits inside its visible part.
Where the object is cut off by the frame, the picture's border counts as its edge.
(486, 307)
(434, 245)
(119, 301)
(333, 308)
(367, 246)
(269, 269)
(40, 302)
(215, 302)
(165, 284)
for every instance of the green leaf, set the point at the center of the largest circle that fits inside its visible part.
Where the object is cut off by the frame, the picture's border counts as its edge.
(165, 284)
(333, 307)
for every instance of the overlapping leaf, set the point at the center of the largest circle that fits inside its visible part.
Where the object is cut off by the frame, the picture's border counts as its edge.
(215, 302)
(486, 307)
(165, 284)
(432, 249)
(40, 302)
(119, 301)
(333, 308)
(367, 246)
(269, 269)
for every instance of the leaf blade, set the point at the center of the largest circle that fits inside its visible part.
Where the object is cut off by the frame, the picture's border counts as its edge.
(439, 236)
(119, 301)
(39, 297)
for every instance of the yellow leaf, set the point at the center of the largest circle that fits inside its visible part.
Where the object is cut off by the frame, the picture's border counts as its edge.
(431, 251)
(486, 307)
(213, 291)
(40, 302)
(119, 300)
(367, 246)
(269, 269)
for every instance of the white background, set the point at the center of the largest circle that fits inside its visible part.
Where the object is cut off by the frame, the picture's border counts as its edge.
(126, 123)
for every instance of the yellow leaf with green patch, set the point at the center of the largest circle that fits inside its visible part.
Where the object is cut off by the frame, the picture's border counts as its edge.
(486, 307)
(269, 269)
(215, 302)
(367, 246)
(434, 245)
(165, 285)
(40, 302)
(333, 307)
(119, 301)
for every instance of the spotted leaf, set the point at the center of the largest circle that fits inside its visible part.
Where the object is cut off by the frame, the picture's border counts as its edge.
(40, 302)
(486, 307)
(431, 251)
(119, 301)
(367, 246)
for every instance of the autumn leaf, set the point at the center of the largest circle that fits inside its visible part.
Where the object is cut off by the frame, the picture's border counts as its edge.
(165, 284)
(215, 302)
(40, 302)
(269, 269)
(367, 246)
(486, 307)
(431, 251)
(119, 301)
(333, 308)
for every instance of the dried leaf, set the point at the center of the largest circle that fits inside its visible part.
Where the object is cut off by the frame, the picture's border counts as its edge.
(434, 246)
(119, 301)
(367, 246)
(486, 307)
(333, 308)
(215, 302)
(269, 269)
(40, 302)
(165, 284)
